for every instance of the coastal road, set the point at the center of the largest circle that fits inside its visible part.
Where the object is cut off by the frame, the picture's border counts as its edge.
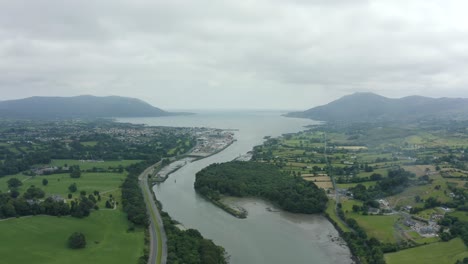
(158, 246)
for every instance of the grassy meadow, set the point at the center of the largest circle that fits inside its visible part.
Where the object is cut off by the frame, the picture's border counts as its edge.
(43, 239)
(435, 253)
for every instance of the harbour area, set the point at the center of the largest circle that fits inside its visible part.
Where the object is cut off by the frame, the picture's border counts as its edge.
(208, 142)
(211, 141)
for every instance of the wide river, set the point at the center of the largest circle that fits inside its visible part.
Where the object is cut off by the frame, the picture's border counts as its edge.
(264, 237)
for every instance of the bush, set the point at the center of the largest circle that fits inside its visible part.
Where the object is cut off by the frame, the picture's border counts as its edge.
(77, 240)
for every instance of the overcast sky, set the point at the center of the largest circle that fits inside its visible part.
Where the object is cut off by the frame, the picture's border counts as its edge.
(283, 54)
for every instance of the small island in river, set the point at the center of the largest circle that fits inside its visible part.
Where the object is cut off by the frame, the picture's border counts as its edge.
(254, 179)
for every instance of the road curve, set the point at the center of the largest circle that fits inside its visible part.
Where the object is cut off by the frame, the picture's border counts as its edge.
(158, 245)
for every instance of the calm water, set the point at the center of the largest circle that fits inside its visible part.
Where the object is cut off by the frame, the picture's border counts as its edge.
(264, 237)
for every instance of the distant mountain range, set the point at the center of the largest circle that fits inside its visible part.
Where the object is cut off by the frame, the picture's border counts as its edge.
(370, 107)
(84, 106)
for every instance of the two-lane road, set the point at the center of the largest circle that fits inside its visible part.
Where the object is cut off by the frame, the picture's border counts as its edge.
(158, 247)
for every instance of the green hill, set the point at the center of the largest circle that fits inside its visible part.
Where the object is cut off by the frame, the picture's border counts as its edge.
(84, 106)
(369, 107)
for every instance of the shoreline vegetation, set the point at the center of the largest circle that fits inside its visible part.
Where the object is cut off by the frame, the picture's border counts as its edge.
(182, 243)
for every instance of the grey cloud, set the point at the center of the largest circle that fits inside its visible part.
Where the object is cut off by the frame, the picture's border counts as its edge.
(255, 54)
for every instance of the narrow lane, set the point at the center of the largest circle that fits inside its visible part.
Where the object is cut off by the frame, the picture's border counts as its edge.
(158, 246)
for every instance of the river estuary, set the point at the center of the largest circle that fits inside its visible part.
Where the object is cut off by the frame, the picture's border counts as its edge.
(266, 236)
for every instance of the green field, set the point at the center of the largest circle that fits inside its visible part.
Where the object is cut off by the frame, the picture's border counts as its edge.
(350, 185)
(89, 143)
(42, 239)
(422, 240)
(378, 226)
(58, 183)
(436, 253)
(89, 165)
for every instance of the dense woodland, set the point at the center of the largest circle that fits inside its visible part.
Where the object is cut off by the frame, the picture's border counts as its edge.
(292, 193)
(189, 246)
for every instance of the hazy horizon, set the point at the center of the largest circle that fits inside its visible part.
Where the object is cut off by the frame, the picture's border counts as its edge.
(233, 54)
(207, 109)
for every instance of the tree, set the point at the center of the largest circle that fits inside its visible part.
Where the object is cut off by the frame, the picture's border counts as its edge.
(8, 210)
(75, 171)
(14, 193)
(356, 208)
(45, 182)
(34, 193)
(14, 183)
(77, 240)
(376, 177)
(72, 187)
(417, 198)
(75, 174)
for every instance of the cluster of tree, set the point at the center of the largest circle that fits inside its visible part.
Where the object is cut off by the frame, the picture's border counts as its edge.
(189, 246)
(34, 192)
(460, 198)
(132, 197)
(430, 202)
(20, 206)
(292, 193)
(395, 182)
(456, 228)
(75, 171)
(365, 206)
(14, 183)
(13, 205)
(16, 163)
(82, 207)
